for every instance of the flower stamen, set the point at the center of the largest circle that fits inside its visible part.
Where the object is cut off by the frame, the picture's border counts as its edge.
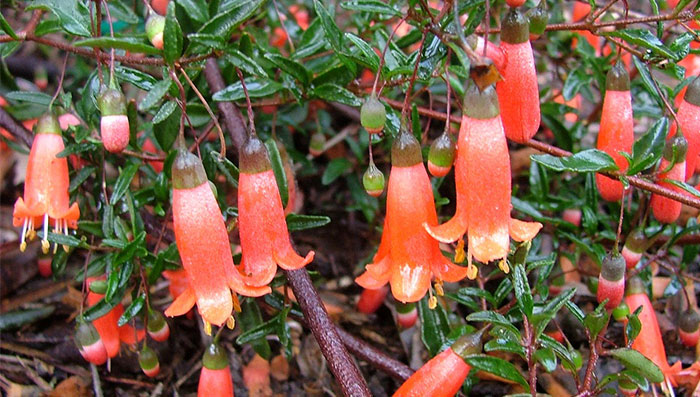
(45, 241)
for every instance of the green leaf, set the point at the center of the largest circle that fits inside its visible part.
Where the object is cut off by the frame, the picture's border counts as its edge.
(122, 43)
(135, 77)
(333, 33)
(335, 169)
(172, 36)
(296, 222)
(18, 318)
(550, 310)
(228, 19)
(250, 317)
(133, 309)
(522, 290)
(130, 250)
(647, 80)
(648, 149)
(123, 182)
(5, 26)
(688, 188)
(491, 317)
(116, 282)
(434, 326)
(295, 69)
(256, 88)
(80, 177)
(195, 9)
(243, 62)
(547, 358)
(226, 167)
(368, 55)
(633, 359)
(278, 170)
(122, 12)
(38, 98)
(72, 14)
(644, 38)
(585, 161)
(166, 128)
(155, 94)
(207, 40)
(336, 93)
(577, 79)
(165, 111)
(497, 366)
(374, 6)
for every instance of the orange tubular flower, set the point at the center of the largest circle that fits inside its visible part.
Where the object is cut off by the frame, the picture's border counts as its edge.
(202, 241)
(261, 223)
(482, 178)
(45, 187)
(616, 129)
(408, 257)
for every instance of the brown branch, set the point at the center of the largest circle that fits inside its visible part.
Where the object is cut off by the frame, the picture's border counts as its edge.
(394, 368)
(341, 364)
(16, 129)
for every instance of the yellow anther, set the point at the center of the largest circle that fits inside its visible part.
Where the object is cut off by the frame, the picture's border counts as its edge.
(66, 248)
(231, 322)
(432, 302)
(207, 328)
(459, 252)
(31, 234)
(45, 246)
(472, 271)
(23, 246)
(503, 265)
(438, 288)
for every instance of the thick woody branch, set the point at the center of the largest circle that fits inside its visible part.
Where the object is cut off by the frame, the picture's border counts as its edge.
(16, 129)
(341, 364)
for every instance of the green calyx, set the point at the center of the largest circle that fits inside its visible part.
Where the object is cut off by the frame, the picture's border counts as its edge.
(253, 156)
(613, 267)
(636, 241)
(215, 357)
(156, 321)
(515, 28)
(442, 151)
(692, 94)
(468, 345)
(148, 359)
(111, 102)
(676, 149)
(48, 124)
(316, 143)
(617, 79)
(634, 285)
(621, 312)
(538, 18)
(188, 171)
(86, 334)
(373, 115)
(405, 151)
(154, 25)
(689, 321)
(373, 180)
(480, 104)
(405, 308)
(98, 287)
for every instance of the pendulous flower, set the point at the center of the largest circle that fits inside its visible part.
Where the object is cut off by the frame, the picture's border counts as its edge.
(408, 257)
(262, 226)
(45, 199)
(202, 241)
(482, 179)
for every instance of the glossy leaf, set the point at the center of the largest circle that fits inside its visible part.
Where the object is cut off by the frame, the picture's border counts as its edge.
(585, 161)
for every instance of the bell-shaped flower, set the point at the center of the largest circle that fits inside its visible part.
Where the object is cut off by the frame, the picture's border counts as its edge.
(483, 183)
(262, 226)
(408, 257)
(202, 241)
(45, 201)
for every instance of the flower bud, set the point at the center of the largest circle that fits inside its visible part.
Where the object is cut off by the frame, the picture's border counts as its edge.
(688, 327)
(515, 3)
(538, 18)
(154, 29)
(148, 360)
(406, 314)
(114, 124)
(635, 245)
(373, 115)
(441, 155)
(157, 327)
(89, 343)
(373, 180)
(317, 143)
(611, 282)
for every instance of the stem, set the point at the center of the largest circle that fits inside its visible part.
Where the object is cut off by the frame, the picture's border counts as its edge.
(60, 82)
(404, 110)
(111, 53)
(592, 358)
(342, 366)
(251, 116)
(381, 60)
(16, 129)
(222, 139)
(530, 356)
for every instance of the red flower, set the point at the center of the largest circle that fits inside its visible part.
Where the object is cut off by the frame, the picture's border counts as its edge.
(110, 333)
(408, 257)
(45, 187)
(262, 227)
(482, 178)
(202, 241)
